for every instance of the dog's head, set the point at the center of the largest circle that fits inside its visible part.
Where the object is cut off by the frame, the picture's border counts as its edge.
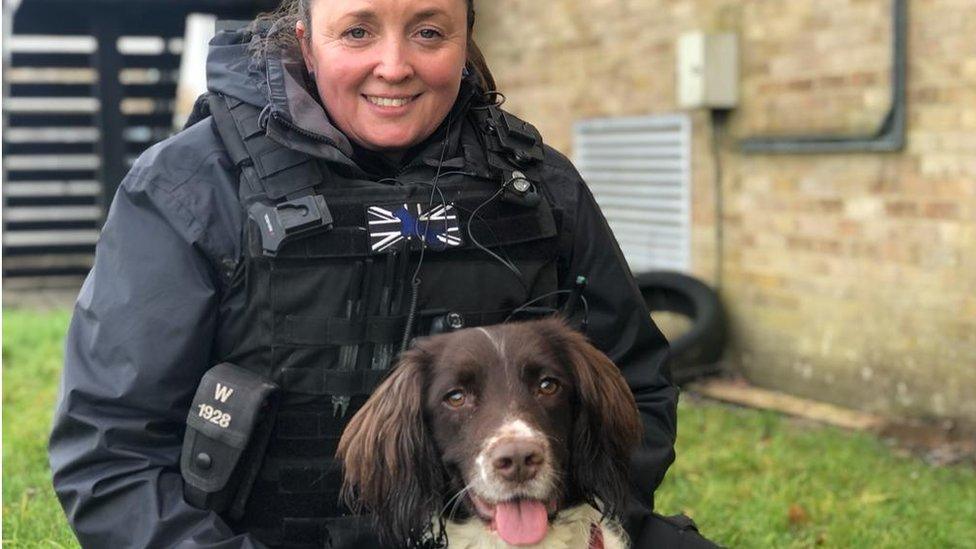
(508, 423)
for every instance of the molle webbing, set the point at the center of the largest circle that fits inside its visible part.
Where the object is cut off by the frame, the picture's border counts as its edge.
(496, 225)
(268, 168)
(377, 330)
(342, 331)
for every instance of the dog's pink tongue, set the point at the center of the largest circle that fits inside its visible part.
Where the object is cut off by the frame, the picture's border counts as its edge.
(523, 522)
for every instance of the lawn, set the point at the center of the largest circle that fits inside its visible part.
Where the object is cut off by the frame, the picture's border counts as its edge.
(31, 364)
(750, 479)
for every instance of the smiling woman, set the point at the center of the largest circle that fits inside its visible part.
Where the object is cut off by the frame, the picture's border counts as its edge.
(347, 185)
(387, 72)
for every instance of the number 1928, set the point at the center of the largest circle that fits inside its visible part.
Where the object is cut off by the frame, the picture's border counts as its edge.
(213, 415)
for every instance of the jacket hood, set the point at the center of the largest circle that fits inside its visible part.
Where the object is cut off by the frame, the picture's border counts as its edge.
(275, 83)
(279, 85)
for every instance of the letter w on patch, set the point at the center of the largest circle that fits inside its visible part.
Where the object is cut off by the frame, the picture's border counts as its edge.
(223, 392)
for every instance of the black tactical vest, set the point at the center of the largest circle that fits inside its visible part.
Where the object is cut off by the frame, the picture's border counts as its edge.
(327, 282)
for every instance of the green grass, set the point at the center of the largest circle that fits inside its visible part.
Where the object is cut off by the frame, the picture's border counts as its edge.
(758, 479)
(750, 479)
(32, 355)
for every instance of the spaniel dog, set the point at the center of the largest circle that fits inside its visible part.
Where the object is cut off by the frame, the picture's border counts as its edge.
(511, 435)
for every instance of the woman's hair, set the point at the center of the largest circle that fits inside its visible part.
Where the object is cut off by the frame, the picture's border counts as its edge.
(281, 37)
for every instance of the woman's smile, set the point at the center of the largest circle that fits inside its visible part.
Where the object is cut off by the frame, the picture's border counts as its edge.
(391, 101)
(391, 104)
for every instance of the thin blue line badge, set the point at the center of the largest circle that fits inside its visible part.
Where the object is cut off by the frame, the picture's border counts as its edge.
(432, 226)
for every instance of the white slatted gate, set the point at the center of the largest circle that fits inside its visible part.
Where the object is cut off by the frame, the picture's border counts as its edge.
(639, 169)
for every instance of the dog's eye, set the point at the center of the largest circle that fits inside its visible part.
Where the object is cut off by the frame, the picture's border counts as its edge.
(455, 399)
(548, 386)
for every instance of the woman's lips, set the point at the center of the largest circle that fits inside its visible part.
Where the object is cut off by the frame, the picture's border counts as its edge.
(390, 102)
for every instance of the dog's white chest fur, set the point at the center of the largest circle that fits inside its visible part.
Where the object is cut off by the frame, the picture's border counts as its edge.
(570, 530)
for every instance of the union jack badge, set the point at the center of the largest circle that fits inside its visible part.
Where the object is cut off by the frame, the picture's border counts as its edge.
(434, 226)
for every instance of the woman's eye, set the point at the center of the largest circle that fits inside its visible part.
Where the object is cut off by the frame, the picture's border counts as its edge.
(357, 33)
(455, 399)
(548, 386)
(429, 34)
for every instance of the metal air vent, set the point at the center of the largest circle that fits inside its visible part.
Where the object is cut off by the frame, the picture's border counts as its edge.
(639, 169)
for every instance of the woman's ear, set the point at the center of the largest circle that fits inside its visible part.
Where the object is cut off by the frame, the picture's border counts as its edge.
(390, 464)
(301, 33)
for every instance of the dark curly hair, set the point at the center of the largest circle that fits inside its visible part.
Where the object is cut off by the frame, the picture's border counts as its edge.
(281, 36)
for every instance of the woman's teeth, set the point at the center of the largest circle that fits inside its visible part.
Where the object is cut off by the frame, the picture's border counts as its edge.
(389, 101)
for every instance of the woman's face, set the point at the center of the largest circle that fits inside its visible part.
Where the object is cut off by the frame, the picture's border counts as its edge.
(388, 71)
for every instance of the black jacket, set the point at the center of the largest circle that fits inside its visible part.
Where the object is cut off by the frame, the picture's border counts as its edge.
(145, 325)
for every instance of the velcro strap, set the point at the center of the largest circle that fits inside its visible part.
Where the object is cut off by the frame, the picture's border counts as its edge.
(334, 331)
(304, 530)
(316, 381)
(246, 118)
(278, 159)
(350, 531)
(339, 242)
(533, 225)
(304, 425)
(227, 129)
(283, 171)
(385, 329)
(310, 480)
(286, 171)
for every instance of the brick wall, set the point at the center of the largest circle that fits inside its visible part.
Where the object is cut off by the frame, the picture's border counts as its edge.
(849, 277)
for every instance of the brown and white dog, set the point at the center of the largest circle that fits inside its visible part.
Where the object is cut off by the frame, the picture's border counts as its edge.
(510, 435)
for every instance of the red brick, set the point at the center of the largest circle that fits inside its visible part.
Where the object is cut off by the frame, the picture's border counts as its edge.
(942, 210)
(849, 228)
(901, 209)
(830, 205)
(801, 85)
(863, 78)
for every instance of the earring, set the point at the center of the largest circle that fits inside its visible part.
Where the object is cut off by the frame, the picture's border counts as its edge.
(465, 72)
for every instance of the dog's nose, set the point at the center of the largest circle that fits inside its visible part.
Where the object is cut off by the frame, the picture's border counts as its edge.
(517, 460)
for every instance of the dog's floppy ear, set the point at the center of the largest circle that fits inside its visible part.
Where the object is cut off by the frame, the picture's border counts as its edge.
(390, 464)
(607, 427)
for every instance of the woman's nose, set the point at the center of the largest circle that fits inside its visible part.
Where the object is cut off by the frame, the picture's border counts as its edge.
(394, 64)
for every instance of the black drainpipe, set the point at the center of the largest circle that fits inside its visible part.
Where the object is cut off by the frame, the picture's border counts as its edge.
(889, 137)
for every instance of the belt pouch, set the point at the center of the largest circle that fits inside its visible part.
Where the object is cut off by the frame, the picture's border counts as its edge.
(227, 431)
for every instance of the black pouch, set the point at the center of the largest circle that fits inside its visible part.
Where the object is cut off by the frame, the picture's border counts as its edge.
(227, 431)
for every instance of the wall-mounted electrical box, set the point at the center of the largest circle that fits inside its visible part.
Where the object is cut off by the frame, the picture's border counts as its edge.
(708, 70)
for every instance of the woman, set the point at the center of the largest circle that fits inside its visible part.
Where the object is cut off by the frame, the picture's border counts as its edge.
(354, 187)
